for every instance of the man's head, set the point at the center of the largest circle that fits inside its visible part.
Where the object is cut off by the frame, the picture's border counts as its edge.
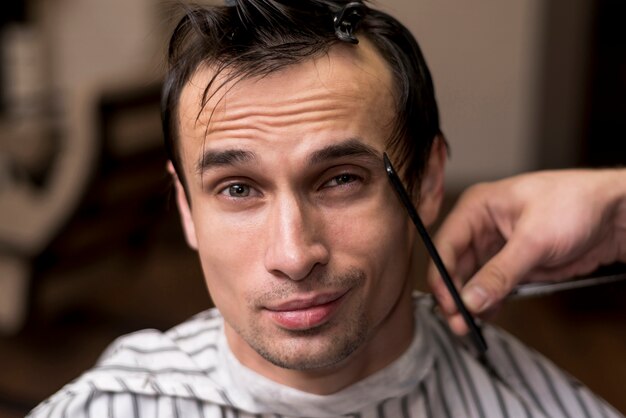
(254, 38)
(305, 248)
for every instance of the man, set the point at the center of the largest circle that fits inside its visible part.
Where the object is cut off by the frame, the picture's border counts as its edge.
(276, 118)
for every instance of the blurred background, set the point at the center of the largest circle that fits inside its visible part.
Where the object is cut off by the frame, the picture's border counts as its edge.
(90, 246)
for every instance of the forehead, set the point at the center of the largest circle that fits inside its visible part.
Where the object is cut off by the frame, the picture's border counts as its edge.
(350, 85)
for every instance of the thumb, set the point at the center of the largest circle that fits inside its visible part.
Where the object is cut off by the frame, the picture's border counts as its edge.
(495, 280)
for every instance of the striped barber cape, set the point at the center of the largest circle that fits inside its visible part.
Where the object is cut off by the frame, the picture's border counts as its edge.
(189, 371)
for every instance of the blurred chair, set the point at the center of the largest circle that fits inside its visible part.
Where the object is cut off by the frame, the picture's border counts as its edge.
(68, 195)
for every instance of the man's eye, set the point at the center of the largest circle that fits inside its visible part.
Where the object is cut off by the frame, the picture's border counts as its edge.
(342, 179)
(237, 190)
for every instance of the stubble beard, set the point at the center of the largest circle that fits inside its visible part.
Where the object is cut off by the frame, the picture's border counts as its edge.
(320, 347)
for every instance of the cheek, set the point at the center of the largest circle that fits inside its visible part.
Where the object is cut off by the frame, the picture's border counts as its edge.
(373, 236)
(378, 242)
(229, 254)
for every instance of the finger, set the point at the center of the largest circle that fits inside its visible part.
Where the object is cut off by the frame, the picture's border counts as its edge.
(453, 241)
(440, 288)
(457, 324)
(465, 263)
(580, 265)
(440, 291)
(495, 280)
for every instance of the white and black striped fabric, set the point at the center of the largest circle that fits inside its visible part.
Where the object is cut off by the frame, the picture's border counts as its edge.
(190, 372)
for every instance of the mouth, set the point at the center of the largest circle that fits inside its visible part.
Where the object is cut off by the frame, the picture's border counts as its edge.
(307, 312)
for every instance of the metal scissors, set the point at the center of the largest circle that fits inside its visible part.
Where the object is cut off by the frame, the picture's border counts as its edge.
(604, 275)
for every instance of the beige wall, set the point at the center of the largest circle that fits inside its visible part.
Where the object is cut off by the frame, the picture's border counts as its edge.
(101, 43)
(484, 60)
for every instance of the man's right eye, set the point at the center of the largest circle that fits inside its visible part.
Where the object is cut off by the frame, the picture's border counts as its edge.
(236, 190)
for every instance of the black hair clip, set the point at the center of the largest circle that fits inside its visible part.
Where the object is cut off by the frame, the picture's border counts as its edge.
(347, 19)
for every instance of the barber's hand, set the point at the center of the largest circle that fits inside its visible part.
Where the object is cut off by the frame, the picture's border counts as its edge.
(540, 226)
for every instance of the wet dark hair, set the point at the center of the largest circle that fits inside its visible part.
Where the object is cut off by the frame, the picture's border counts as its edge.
(248, 38)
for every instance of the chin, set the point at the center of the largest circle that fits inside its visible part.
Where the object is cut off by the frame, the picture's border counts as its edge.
(313, 349)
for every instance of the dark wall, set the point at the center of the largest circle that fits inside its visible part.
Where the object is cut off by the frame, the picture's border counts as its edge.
(581, 110)
(605, 136)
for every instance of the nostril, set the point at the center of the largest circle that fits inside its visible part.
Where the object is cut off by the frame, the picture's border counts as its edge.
(296, 265)
(294, 244)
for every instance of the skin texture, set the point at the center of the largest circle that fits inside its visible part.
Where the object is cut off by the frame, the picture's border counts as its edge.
(550, 225)
(305, 248)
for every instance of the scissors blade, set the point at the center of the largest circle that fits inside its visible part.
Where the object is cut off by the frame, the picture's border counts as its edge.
(546, 288)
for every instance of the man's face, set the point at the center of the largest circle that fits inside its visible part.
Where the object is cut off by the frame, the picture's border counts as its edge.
(304, 246)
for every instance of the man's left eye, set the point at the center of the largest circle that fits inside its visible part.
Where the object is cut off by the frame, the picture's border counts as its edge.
(342, 179)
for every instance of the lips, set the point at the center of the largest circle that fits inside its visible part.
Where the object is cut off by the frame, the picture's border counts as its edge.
(305, 313)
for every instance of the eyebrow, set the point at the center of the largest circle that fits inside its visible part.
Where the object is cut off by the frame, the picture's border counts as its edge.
(212, 159)
(352, 147)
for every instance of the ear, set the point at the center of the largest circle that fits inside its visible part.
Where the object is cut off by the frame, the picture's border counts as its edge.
(184, 209)
(432, 185)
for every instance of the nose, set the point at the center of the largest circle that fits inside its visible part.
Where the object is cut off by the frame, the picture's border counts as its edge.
(294, 245)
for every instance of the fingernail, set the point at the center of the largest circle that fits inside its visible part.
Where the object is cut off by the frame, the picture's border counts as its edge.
(475, 298)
